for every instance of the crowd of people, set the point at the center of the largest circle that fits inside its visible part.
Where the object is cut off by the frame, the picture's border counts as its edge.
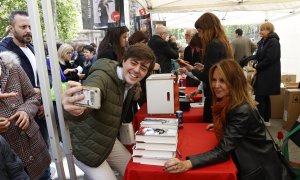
(119, 68)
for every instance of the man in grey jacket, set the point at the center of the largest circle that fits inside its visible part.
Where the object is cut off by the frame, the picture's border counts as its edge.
(242, 46)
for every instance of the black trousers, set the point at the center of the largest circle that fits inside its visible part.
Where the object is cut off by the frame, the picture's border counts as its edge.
(264, 107)
(207, 113)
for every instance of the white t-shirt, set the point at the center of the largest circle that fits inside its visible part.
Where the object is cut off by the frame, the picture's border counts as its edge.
(32, 60)
(120, 76)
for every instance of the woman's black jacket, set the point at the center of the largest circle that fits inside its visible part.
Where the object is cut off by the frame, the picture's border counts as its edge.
(244, 138)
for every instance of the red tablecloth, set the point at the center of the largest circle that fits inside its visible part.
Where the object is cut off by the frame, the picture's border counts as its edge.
(193, 139)
(193, 116)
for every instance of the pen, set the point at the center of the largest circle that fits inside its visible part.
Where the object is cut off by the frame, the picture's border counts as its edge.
(179, 153)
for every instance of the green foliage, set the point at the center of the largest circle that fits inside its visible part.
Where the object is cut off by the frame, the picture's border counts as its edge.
(67, 19)
(67, 16)
(6, 6)
(179, 34)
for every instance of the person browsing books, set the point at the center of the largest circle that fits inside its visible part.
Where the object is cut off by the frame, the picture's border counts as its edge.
(94, 133)
(238, 128)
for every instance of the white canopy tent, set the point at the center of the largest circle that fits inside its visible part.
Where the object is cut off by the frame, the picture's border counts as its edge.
(182, 13)
(159, 6)
(284, 14)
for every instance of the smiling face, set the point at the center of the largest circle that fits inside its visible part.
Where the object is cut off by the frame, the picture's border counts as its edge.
(134, 70)
(219, 87)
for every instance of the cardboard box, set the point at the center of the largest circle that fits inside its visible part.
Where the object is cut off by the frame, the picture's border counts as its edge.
(291, 84)
(288, 78)
(277, 101)
(160, 94)
(291, 110)
(277, 104)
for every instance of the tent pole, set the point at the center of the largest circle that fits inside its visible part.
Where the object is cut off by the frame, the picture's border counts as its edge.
(56, 82)
(45, 87)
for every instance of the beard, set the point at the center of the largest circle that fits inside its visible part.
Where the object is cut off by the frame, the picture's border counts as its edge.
(23, 39)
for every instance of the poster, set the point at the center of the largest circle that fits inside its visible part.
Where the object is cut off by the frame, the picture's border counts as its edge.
(102, 14)
(143, 23)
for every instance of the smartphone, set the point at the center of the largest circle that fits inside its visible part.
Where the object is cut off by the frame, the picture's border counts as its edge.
(91, 97)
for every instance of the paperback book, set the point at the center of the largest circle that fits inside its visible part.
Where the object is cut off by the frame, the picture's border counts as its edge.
(150, 161)
(156, 146)
(153, 153)
(164, 123)
(156, 135)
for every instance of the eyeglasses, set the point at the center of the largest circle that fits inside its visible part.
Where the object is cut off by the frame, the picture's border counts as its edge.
(69, 53)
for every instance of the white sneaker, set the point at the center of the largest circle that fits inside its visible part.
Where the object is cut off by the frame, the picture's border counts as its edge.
(268, 124)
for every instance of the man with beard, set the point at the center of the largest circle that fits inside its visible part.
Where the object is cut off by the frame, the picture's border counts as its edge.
(19, 43)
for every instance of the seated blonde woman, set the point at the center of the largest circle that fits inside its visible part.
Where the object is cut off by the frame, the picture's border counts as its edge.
(70, 70)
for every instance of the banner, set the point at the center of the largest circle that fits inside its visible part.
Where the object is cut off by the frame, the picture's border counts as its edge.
(102, 14)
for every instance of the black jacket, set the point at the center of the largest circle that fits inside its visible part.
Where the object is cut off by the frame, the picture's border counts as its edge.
(7, 44)
(163, 52)
(11, 167)
(268, 68)
(244, 138)
(215, 52)
(192, 56)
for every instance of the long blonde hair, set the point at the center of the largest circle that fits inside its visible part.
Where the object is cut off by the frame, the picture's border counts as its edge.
(239, 88)
(62, 52)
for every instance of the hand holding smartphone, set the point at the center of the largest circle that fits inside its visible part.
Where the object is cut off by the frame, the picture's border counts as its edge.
(91, 97)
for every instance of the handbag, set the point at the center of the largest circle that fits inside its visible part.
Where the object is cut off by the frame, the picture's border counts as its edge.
(288, 172)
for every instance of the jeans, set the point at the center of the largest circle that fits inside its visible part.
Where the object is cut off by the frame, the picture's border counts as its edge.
(46, 175)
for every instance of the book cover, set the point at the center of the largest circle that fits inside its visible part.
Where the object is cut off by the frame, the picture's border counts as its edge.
(156, 135)
(153, 153)
(164, 123)
(156, 146)
(150, 161)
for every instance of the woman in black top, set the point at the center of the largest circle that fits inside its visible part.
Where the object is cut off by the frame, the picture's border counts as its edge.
(214, 47)
(238, 128)
(113, 44)
(65, 53)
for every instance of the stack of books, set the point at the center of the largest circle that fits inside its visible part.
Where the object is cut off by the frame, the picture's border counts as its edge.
(156, 141)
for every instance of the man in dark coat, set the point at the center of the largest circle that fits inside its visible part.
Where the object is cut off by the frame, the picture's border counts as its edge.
(162, 50)
(268, 70)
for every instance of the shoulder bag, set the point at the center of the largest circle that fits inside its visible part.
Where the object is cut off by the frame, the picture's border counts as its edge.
(287, 171)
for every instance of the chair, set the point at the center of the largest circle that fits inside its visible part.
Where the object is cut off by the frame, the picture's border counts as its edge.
(293, 135)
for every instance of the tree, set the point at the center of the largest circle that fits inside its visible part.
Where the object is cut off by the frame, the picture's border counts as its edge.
(67, 17)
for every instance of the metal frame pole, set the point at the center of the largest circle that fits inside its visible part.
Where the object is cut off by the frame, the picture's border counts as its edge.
(45, 87)
(56, 83)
